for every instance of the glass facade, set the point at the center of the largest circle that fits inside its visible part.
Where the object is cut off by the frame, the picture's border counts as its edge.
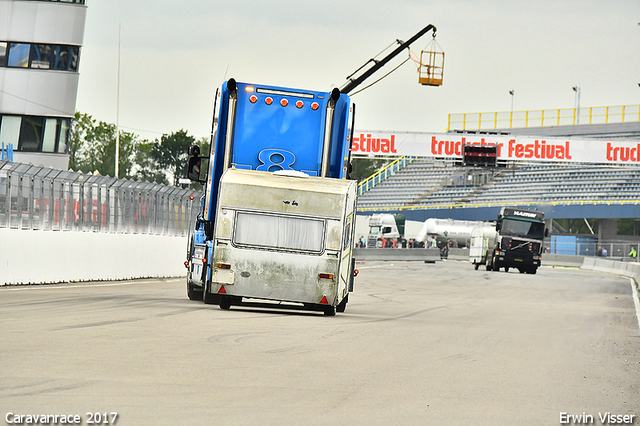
(39, 56)
(35, 134)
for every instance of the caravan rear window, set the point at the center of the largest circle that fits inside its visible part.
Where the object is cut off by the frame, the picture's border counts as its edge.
(279, 232)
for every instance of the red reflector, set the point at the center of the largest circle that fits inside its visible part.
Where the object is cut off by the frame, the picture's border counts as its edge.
(355, 273)
(253, 99)
(222, 290)
(315, 106)
(186, 263)
(224, 266)
(324, 300)
(204, 260)
(327, 276)
(299, 104)
(284, 102)
(268, 101)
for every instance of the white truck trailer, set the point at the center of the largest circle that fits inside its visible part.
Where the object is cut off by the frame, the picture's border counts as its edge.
(483, 240)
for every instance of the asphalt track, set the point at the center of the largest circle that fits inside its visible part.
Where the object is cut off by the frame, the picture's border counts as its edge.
(418, 344)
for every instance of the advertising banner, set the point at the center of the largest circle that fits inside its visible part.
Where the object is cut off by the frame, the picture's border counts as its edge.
(510, 147)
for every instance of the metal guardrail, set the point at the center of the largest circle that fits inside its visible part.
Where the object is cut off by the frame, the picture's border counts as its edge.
(384, 173)
(34, 197)
(542, 118)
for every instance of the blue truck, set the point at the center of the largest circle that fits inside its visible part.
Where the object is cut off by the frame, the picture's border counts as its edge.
(278, 211)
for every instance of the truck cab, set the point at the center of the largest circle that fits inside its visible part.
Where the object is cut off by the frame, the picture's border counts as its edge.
(519, 240)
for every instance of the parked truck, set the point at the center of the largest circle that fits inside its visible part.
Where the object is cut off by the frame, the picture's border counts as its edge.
(383, 227)
(519, 238)
(483, 241)
(450, 229)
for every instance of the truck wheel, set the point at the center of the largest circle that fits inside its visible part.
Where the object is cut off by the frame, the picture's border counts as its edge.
(506, 269)
(193, 292)
(208, 298)
(329, 311)
(495, 266)
(532, 271)
(476, 265)
(342, 306)
(225, 302)
(522, 270)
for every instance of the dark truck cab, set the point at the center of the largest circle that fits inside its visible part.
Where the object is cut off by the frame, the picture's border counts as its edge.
(519, 241)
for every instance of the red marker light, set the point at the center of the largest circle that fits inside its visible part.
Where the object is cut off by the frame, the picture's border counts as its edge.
(299, 104)
(268, 101)
(224, 266)
(191, 197)
(253, 99)
(315, 106)
(326, 276)
(284, 102)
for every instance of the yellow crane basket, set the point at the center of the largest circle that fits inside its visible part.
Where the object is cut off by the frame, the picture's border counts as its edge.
(431, 67)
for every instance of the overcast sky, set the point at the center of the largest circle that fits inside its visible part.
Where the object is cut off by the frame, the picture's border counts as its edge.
(175, 53)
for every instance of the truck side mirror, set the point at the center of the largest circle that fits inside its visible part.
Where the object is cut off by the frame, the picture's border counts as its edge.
(196, 170)
(546, 232)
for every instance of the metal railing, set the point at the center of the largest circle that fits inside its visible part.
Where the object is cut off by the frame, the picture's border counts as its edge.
(34, 197)
(384, 173)
(542, 118)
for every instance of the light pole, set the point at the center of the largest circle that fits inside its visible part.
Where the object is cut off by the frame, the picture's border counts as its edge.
(512, 92)
(117, 161)
(577, 104)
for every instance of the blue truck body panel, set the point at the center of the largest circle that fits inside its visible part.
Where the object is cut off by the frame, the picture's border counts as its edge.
(278, 128)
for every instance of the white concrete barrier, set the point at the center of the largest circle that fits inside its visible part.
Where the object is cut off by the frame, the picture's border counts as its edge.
(396, 255)
(37, 257)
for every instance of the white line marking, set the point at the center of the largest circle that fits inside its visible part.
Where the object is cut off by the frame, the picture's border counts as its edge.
(24, 287)
(636, 302)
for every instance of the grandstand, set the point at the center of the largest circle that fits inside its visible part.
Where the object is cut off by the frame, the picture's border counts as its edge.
(443, 188)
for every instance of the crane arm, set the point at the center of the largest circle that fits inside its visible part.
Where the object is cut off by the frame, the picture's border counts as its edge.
(355, 82)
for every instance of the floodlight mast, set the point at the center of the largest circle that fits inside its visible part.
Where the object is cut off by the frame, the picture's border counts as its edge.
(353, 83)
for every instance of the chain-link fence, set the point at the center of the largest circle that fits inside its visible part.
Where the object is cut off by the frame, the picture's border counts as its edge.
(35, 197)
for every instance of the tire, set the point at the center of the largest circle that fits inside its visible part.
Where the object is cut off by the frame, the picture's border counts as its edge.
(329, 311)
(208, 298)
(342, 306)
(225, 303)
(194, 292)
(522, 270)
(495, 266)
(532, 271)
(476, 265)
(506, 269)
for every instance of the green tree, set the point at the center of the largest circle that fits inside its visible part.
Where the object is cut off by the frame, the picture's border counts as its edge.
(93, 147)
(362, 168)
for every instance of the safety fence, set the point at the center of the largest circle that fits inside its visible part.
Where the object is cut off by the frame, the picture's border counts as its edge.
(384, 173)
(542, 118)
(35, 197)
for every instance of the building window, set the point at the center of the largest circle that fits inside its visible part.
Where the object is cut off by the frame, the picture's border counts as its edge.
(18, 55)
(30, 134)
(3, 53)
(35, 134)
(39, 56)
(10, 130)
(64, 1)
